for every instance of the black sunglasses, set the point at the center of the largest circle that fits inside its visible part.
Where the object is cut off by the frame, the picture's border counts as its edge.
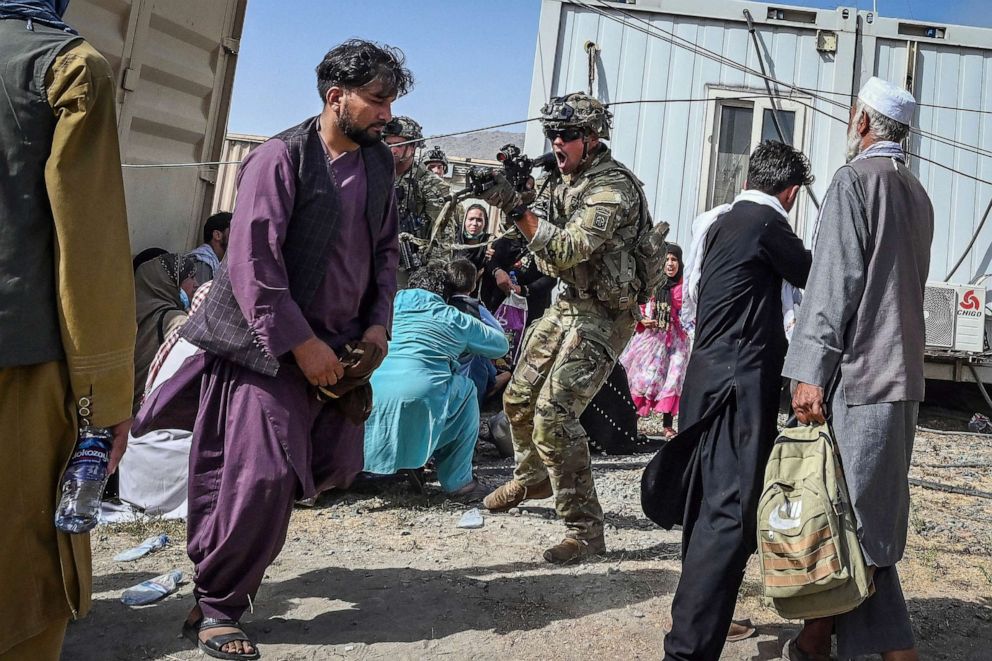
(566, 135)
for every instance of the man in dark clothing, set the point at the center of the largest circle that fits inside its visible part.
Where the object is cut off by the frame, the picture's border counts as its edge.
(731, 393)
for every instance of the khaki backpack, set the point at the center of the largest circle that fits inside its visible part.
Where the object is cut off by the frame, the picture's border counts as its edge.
(811, 560)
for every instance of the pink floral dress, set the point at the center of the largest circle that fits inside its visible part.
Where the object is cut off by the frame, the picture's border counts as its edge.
(656, 358)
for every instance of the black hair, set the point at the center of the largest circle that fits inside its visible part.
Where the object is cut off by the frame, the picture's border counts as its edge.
(357, 62)
(218, 222)
(776, 166)
(433, 278)
(463, 275)
(147, 255)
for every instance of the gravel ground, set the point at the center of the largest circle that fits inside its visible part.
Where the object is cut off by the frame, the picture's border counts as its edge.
(388, 575)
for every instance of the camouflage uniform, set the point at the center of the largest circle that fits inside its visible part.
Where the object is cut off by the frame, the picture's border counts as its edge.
(588, 242)
(419, 205)
(419, 199)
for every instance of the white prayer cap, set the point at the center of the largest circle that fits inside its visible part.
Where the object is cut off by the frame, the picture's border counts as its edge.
(893, 102)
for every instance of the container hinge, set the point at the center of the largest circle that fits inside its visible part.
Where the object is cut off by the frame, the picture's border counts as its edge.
(131, 78)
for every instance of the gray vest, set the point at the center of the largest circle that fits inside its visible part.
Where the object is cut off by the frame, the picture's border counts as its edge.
(218, 325)
(29, 322)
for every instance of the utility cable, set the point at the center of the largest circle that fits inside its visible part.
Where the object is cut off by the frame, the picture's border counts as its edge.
(768, 86)
(967, 250)
(682, 42)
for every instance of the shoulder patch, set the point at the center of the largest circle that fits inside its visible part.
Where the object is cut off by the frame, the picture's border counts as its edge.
(602, 218)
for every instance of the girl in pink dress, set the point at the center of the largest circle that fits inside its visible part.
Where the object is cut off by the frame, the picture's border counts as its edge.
(656, 357)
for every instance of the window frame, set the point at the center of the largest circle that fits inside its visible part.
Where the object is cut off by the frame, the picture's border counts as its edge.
(717, 98)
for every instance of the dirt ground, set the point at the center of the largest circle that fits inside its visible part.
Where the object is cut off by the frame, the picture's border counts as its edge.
(388, 575)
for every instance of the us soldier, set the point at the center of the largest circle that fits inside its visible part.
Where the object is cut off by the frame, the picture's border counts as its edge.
(419, 198)
(597, 216)
(436, 161)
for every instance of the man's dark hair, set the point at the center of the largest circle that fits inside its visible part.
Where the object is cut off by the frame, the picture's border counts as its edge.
(775, 166)
(219, 222)
(357, 62)
(463, 274)
(433, 278)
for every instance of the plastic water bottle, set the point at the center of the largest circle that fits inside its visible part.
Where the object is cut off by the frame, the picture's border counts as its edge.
(83, 482)
(152, 590)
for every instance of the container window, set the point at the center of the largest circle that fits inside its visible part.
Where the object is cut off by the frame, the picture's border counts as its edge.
(733, 150)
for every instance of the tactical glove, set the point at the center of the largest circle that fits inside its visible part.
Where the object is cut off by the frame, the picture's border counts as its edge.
(502, 195)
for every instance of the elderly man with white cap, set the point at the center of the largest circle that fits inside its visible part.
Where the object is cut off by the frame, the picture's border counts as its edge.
(860, 338)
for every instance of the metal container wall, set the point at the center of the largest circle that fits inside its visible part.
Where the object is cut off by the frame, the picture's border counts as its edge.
(236, 147)
(668, 145)
(174, 61)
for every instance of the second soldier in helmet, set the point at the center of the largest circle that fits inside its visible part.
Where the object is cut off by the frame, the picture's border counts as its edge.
(436, 161)
(419, 198)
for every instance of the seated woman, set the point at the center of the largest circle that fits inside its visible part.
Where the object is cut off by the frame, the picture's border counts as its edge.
(421, 407)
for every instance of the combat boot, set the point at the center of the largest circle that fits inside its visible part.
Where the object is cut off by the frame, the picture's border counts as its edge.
(513, 493)
(571, 550)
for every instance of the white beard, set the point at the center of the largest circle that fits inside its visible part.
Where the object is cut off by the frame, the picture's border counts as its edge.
(853, 142)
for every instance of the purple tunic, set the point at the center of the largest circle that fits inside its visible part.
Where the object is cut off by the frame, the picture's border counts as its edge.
(266, 189)
(260, 441)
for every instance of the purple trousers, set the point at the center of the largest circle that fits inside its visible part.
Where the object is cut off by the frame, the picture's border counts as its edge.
(259, 443)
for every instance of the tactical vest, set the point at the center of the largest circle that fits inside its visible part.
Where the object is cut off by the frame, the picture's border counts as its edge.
(219, 326)
(610, 273)
(29, 321)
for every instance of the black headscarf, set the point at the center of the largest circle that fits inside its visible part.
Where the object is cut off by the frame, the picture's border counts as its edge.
(673, 249)
(46, 12)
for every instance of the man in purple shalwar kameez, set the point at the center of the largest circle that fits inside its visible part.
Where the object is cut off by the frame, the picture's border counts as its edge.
(311, 266)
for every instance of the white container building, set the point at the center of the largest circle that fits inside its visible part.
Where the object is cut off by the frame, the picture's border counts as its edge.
(686, 115)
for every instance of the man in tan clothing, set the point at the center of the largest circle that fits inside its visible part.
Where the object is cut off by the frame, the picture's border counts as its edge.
(66, 309)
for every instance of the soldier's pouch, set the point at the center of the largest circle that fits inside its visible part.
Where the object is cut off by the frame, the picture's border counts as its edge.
(589, 358)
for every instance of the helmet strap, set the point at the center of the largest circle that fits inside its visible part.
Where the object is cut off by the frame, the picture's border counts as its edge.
(585, 147)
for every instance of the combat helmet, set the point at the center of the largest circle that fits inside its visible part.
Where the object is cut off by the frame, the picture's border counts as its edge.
(403, 127)
(577, 110)
(435, 155)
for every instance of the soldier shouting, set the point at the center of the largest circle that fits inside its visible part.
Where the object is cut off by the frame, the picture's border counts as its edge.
(597, 216)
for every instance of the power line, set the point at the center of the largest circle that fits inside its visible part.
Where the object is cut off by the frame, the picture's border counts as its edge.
(670, 37)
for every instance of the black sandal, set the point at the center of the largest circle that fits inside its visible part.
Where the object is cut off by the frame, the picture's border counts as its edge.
(213, 646)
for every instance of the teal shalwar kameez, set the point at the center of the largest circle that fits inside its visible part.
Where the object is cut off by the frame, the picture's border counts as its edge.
(421, 407)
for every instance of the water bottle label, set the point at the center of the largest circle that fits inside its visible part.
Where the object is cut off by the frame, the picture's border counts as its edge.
(92, 454)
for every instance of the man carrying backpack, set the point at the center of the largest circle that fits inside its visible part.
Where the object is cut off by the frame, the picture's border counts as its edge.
(863, 319)
(739, 258)
(590, 240)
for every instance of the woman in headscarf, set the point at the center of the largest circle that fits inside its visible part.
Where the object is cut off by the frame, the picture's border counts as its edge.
(474, 232)
(163, 288)
(656, 357)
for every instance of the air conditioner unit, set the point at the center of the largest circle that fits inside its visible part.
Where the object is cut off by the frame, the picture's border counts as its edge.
(955, 316)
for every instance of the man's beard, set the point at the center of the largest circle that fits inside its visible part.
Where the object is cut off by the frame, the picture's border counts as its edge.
(363, 137)
(853, 142)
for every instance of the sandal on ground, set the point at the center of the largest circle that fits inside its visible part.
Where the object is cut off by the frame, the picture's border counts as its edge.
(792, 652)
(213, 646)
(740, 630)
